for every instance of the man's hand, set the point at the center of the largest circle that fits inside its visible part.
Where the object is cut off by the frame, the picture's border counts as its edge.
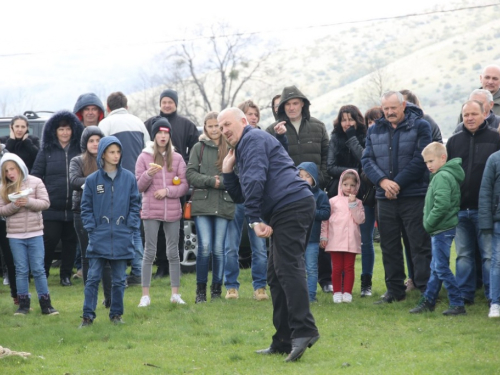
(280, 128)
(391, 188)
(263, 230)
(229, 162)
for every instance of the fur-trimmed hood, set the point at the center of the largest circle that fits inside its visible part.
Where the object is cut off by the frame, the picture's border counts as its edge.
(49, 135)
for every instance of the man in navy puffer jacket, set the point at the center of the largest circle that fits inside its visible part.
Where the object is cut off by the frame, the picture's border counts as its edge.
(392, 160)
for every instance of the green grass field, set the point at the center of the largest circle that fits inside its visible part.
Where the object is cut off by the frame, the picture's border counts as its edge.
(220, 337)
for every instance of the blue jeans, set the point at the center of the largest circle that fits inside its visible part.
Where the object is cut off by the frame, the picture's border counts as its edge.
(367, 250)
(118, 278)
(211, 231)
(468, 233)
(29, 253)
(136, 266)
(231, 253)
(311, 257)
(495, 265)
(440, 270)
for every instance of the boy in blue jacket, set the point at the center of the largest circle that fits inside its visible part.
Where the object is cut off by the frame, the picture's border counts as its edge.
(309, 172)
(110, 214)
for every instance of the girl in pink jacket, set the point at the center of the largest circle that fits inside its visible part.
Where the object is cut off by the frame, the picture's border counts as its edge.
(22, 200)
(340, 235)
(161, 178)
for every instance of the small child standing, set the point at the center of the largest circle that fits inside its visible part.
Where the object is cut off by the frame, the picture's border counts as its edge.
(110, 214)
(442, 203)
(25, 230)
(341, 236)
(309, 172)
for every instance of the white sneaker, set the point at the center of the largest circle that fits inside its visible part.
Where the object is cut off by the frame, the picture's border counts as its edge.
(494, 311)
(145, 301)
(347, 297)
(6, 280)
(337, 297)
(176, 298)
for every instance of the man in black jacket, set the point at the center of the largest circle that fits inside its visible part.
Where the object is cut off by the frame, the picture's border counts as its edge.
(184, 132)
(474, 143)
(307, 136)
(277, 203)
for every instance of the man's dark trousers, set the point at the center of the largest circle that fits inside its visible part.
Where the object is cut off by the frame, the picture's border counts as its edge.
(393, 215)
(286, 274)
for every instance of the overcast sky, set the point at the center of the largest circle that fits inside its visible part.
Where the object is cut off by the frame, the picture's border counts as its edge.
(54, 50)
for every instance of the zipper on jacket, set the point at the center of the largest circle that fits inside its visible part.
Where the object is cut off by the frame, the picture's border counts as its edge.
(67, 185)
(112, 212)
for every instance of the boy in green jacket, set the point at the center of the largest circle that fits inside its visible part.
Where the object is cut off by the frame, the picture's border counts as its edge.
(442, 203)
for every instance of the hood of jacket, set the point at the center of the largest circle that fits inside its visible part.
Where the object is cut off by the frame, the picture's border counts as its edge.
(312, 169)
(16, 159)
(342, 178)
(88, 132)
(104, 143)
(85, 100)
(49, 135)
(292, 92)
(207, 140)
(412, 113)
(453, 167)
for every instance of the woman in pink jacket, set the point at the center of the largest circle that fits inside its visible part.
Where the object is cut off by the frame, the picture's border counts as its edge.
(161, 177)
(340, 235)
(23, 210)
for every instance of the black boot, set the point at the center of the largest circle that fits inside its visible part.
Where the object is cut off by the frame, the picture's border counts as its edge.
(201, 293)
(24, 305)
(162, 270)
(366, 285)
(46, 305)
(215, 291)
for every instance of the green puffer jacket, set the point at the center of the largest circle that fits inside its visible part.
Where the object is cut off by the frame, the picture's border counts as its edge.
(442, 201)
(206, 199)
(311, 143)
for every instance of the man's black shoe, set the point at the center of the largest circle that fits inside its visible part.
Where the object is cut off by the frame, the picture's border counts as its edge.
(133, 280)
(271, 350)
(299, 346)
(327, 288)
(388, 298)
(65, 281)
(455, 310)
(85, 322)
(423, 306)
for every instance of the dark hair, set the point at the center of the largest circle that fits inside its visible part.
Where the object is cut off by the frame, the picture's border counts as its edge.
(410, 97)
(355, 115)
(19, 117)
(116, 100)
(373, 114)
(275, 114)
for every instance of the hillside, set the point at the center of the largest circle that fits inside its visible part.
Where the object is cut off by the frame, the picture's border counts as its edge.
(438, 56)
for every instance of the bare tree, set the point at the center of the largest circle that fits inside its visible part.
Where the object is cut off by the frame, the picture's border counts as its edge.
(207, 76)
(379, 81)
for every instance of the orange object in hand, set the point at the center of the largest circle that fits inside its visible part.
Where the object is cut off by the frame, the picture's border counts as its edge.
(176, 180)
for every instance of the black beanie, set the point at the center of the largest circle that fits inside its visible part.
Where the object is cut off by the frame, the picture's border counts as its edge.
(159, 125)
(172, 94)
